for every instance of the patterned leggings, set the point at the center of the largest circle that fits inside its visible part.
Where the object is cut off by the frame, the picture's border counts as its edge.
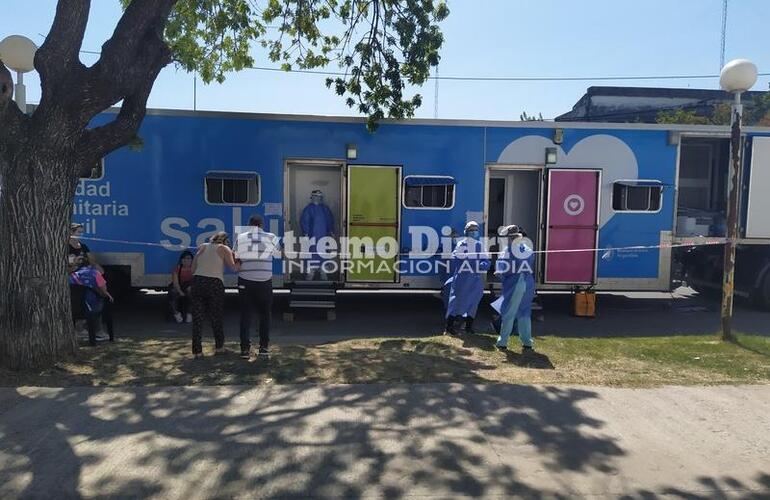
(208, 297)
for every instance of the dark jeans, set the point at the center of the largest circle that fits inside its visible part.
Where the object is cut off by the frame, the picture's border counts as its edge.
(93, 320)
(179, 303)
(255, 295)
(208, 299)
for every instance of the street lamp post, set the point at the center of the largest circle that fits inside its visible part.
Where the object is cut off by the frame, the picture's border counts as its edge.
(18, 53)
(737, 77)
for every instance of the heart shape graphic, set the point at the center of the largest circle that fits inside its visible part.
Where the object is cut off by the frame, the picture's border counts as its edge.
(608, 153)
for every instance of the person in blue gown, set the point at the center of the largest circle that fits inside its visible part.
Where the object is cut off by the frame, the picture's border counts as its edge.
(317, 222)
(515, 267)
(466, 285)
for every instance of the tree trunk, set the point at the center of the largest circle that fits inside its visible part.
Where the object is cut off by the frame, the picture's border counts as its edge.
(42, 154)
(35, 207)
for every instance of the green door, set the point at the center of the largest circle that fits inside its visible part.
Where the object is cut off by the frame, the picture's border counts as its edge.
(373, 214)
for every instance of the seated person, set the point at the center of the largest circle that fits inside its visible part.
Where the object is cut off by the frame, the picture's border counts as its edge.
(179, 290)
(89, 292)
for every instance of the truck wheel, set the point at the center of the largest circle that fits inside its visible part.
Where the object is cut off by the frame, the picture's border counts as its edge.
(761, 295)
(700, 285)
(118, 282)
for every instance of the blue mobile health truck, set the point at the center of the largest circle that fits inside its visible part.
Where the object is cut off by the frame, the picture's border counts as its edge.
(629, 193)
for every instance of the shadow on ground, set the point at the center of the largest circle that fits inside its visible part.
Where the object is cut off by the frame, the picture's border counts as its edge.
(345, 441)
(164, 361)
(337, 441)
(710, 488)
(514, 355)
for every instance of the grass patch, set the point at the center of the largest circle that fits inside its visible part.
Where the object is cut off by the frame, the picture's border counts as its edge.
(626, 362)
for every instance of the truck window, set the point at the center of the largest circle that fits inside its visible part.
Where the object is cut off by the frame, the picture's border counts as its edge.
(429, 192)
(636, 196)
(232, 188)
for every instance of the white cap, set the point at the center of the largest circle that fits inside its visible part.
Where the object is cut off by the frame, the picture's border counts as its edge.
(507, 230)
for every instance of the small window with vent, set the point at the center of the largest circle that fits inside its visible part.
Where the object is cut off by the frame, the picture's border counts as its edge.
(429, 192)
(232, 188)
(637, 196)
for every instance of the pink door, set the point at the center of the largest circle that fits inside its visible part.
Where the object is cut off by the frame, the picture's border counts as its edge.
(573, 208)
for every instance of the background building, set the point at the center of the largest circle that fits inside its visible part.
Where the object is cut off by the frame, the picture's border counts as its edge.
(644, 104)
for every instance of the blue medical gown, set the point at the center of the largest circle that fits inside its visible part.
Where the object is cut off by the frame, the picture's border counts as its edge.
(317, 222)
(511, 270)
(466, 286)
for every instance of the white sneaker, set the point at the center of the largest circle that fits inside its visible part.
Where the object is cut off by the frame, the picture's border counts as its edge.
(188, 319)
(178, 317)
(101, 336)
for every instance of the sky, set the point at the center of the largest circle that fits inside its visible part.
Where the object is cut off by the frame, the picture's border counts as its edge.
(510, 38)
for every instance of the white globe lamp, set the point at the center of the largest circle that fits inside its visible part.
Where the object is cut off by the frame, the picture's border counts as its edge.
(739, 75)
(18, 53)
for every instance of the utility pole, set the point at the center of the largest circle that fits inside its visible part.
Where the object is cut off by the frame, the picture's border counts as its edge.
(728, 285)
(435, 96)
(195, 91)
(724, 35)
(736, 77)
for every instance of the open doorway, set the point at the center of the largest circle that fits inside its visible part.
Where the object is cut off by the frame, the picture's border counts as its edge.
(703, 177)
(303, 177)
(514, 197)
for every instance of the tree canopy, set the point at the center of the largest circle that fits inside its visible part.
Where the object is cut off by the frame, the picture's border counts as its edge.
(380, 46)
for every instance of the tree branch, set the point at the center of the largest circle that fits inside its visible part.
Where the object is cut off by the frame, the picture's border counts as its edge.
(58, 64)
(12, 119)
(139, 17)
(136, 50)
(60, 53)
(6, 87)
(98, 142)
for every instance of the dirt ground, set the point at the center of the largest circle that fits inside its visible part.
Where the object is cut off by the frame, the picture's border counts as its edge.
(496, 441)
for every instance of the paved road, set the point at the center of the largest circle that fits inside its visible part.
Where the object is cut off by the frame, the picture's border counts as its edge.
(438, 440)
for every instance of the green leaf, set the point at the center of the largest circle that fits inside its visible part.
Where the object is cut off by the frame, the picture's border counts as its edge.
(382, 45)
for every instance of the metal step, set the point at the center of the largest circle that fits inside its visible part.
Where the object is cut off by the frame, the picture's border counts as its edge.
(312, 304)
(312, 292)
(313, 295)
(313, 284)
